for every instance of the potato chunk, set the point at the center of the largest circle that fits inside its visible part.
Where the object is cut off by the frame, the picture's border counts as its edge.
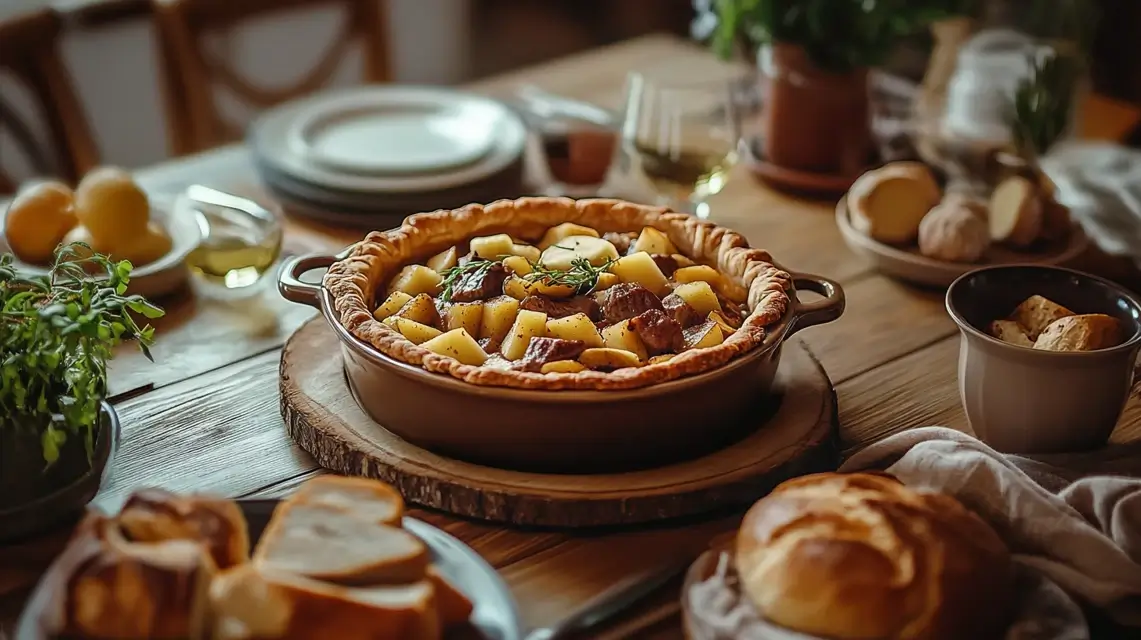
(606, 280)
(528, 324)
(606, 358)
(389, 307)
(443, 261)
(498, 316)
(706, 334)
(653, 241)
(727, 327)
(575, 327)
(621, 336)
(526, 251)
(422, 309)
(464, 315)
(700, 296)
(492, 247)
(564, 230)
(563, 366)
(415, 332)
(416, 279)
(517, 265)
(698, 273)
(520, 288)
(457, 344)
(561, 256)
(640, 268)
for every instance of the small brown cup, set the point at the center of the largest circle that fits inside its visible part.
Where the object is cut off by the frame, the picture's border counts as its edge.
(1023, 400)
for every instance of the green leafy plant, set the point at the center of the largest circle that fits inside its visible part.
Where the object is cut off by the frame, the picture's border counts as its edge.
(838, 35)
(1043, 103)
(57, 332)
(582, 276)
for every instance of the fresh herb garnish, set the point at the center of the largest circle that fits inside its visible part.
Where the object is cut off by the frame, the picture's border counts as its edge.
(1043, 104)
(57, 332)
(582, 276)
(475, 267)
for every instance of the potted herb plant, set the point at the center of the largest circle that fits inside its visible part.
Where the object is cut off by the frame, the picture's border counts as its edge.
(814, 61)
(57, 332)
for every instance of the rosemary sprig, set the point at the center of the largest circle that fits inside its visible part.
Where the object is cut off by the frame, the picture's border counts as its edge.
(1043, 103)
(475, 267)
(582, 276)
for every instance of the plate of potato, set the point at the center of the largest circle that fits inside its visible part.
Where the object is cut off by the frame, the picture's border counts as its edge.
(110, 214)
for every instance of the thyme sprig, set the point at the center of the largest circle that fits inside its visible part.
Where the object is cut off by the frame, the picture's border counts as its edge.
(582, 276)
(1043, 104)
(57, 332)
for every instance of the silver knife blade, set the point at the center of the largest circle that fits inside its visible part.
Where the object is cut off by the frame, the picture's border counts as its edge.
(609, 603)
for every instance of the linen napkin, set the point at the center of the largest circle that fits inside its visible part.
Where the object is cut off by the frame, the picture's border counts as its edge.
(1075, 536)
(1083, 534)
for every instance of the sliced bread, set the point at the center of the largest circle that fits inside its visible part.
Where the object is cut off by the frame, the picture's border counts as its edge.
(454, 606)
(362, 497)
(888, 204)
(156, 515)
(327, 544)
(249, 602)
(1036, 312)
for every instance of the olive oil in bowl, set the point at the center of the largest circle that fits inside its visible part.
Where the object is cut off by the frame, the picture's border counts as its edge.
(238, 246)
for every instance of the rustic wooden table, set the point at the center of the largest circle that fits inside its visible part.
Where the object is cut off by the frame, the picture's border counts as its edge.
(205, 416)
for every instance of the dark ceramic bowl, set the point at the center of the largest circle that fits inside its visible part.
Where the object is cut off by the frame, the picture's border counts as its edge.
(69, 495)
(562, 431)
(1024, 400)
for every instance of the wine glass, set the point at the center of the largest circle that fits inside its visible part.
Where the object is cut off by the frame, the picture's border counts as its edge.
(683, 136)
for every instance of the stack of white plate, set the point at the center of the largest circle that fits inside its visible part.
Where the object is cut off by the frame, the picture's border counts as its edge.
(370, 156)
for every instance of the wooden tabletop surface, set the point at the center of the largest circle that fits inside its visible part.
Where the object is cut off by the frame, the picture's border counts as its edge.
(205, 416)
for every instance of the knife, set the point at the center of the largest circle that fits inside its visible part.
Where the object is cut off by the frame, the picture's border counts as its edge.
(603, 607)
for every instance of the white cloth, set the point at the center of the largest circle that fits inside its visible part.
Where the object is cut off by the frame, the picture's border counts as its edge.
(1083, 534)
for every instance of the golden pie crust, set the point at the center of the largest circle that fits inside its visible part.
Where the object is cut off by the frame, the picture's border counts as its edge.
(355, 282)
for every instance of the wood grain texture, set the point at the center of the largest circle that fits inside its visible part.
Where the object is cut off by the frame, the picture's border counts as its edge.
(322, 416)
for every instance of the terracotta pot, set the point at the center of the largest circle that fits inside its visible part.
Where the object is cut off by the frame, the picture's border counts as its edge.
(814, 120)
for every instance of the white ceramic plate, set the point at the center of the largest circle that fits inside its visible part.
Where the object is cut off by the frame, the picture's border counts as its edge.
(913, 267)
(163, 276)
(311, 140)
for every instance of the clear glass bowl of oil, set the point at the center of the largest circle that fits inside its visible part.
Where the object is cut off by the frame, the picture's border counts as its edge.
(239, 245)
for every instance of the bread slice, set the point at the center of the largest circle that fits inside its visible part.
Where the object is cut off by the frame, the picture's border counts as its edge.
(249, 602)
(326, 544)
(364, 498)
(1016, 212)
(1080, 333)
(1010, 331)
(156, 515)
(454, 607)
(1036, 312)
(110, 587)
(888, 204)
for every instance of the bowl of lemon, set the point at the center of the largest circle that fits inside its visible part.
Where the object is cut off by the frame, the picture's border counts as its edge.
(109, 213)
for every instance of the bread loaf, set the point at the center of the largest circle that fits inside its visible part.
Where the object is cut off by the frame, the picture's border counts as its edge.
(326, 544)
(953, 232)
(888, 204)
(155, 515)
(1080, 333)
(860, 556)
(365, 498)
(112, 588)
(251, 603)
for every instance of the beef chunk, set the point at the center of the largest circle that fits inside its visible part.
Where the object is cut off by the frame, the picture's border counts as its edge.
(621, 241)
(489, 345)
(659, 332)
(540, 351)
(625, 300)
(480, 284)
(562, 308)
(680, 311)
(668, 264)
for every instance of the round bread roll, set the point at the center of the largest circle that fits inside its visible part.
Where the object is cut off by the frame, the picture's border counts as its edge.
(860, 556)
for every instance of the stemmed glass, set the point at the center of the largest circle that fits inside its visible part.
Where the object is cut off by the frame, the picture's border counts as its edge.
(683, 137)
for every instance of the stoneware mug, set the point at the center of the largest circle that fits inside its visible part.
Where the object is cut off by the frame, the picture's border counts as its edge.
(1023, 400)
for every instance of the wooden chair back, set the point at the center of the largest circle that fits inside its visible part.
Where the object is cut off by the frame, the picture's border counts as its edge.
(192, 73)
(29, 51)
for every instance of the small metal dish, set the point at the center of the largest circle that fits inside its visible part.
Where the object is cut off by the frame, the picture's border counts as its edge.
(562, 431)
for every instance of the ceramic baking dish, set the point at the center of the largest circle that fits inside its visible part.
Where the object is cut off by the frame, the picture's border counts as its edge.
(563, 431)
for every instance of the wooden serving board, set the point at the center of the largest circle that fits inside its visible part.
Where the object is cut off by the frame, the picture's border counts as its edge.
(796, 434)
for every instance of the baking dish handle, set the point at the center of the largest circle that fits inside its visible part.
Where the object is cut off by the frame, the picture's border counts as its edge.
(808, 314)
(289, 282)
